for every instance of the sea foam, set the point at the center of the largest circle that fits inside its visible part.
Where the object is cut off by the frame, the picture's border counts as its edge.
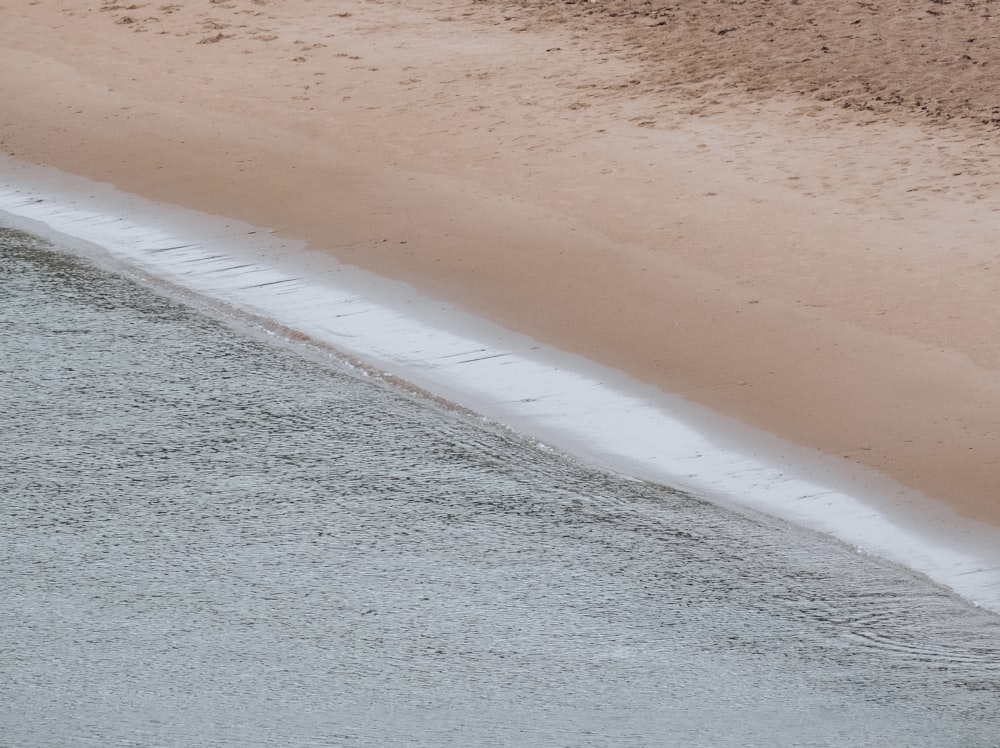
(593, 413)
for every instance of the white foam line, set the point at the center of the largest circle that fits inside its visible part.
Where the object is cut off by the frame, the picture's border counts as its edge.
(594, 413)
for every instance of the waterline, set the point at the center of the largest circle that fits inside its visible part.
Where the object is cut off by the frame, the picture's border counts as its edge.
(593, 413)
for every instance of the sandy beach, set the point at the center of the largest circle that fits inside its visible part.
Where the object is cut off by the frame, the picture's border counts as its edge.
(787, 214)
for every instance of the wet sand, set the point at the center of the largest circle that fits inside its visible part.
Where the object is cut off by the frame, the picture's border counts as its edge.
(787, 216)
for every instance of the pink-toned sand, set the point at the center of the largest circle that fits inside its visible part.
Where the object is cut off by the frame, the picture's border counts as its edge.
(785, 211)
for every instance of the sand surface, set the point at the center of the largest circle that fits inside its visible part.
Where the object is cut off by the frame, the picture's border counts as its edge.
(784, 211)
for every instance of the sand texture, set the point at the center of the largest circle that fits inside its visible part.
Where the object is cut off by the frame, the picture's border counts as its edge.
(783, 210)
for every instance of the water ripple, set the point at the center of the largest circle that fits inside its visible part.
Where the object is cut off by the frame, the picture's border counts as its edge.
(213, 541)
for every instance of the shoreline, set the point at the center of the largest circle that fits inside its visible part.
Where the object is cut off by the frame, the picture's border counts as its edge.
(820, 275)
(591, 413)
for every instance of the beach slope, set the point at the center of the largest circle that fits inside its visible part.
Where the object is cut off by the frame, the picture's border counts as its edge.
(785, 214)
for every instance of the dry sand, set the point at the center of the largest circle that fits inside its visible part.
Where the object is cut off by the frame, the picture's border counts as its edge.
(785, 211)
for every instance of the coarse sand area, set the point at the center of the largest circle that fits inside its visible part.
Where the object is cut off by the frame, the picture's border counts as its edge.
(786, 211)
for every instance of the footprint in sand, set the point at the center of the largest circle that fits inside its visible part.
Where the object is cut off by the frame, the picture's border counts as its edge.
(214, 39)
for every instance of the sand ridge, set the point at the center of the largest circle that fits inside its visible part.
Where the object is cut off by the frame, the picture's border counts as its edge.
(675, 205)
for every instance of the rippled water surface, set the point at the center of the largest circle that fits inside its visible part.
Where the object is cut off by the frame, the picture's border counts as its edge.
(211, 540)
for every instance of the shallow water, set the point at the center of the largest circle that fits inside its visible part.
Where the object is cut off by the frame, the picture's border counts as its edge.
(213, 540)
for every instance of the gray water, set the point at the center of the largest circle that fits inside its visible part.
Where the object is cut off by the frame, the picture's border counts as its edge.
(209, 540)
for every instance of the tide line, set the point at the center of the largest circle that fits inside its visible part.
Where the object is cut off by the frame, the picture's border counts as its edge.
(590, 412)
